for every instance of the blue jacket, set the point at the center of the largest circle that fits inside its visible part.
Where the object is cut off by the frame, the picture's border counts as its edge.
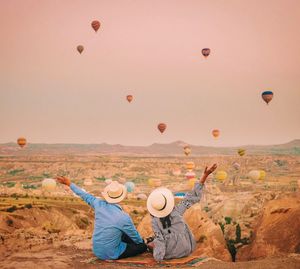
(110, 223)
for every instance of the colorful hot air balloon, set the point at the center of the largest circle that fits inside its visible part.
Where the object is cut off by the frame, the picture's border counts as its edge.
(241, 152)
(49, 184)
(80, 48)
(206, 52)
(267, 96)
(129, 98)
(187, 150)
(189, 175)
(262, 175)
(215, 133)
(21, 142)
(130, 186)
(154, 182)
(176, 172)
(190, 166)
(95, 25)
(192, 182)
(221, 175)
(161, 127)
(254, 174)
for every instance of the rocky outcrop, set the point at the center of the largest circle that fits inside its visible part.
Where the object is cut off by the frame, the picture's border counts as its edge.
(277, 231)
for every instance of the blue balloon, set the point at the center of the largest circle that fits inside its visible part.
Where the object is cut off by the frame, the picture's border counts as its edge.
(129, 186)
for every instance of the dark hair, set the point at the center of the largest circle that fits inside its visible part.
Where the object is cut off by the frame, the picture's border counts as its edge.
(166, 222)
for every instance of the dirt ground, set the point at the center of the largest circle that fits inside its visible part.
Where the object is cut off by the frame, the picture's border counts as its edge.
(74, 258)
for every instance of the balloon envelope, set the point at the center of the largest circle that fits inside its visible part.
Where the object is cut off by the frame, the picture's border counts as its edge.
(254, 174)
(49, 184)
(187, 150)
(80, 49)
(21, 142)
(241, 152)
(236, 166)
(129, 98)
(161, 127)
(192, 182)
(190, 175)
(215, 133)
(129, 186)
(176, 172)
(95, 25)
(221, 175)
(267, 96)
(190, 166)
(262, 175)
(205, 52)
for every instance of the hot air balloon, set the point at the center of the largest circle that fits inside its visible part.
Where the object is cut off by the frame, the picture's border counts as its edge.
(80, 48)
(190, 175)
(190, 166)
(206, 52)
(95, 25)
(154, 182)
(187, 150)
(192, 182)
(141, 196)
(221, 175)
(49, 184)
(215, 133)
(262, 175)
(129, 98)
(254, 174)
(130, 186)
(176, 172)
(267, 96)
(21, 142)
(241, 152)
(161, 127)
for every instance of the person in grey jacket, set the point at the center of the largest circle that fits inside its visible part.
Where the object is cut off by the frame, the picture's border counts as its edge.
(172, 236)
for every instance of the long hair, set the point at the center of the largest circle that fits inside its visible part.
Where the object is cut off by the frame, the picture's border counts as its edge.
(166, 222)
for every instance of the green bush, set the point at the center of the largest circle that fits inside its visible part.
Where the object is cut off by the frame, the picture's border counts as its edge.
(15, 171)
(228, 220)
(11, 209)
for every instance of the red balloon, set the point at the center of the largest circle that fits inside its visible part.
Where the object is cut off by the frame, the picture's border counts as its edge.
(161, 127)
(129, 98)
(95, 25)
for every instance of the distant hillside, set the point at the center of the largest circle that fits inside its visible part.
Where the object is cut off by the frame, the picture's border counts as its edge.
(171, 149)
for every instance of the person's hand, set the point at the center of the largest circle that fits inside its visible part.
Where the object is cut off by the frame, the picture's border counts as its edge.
(208, 171)
(63, 180)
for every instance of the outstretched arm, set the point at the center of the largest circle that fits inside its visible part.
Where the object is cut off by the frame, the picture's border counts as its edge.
(88, 198)
(194, 196)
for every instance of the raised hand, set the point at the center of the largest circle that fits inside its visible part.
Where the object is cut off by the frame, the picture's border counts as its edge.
(63, 180)
(210, 170)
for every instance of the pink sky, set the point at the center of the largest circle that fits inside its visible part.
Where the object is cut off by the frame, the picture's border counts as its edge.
(151, 49)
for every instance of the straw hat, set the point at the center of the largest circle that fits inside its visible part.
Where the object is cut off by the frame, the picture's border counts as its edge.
(114, 192)
(160, 202)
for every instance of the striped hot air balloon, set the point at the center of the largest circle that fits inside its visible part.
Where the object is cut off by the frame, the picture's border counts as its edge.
(21, 142)
(241, 152)
(161, 127)
(190, 166)
(267, 96)
(95, 25)
(205, 52)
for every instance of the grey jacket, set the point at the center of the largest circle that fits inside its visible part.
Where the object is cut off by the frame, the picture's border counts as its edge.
(176, 241)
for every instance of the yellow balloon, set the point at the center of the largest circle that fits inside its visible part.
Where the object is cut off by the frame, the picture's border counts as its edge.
(221, 175)
(191, 182)
(154, 182)
(262, 175)
(190, 165)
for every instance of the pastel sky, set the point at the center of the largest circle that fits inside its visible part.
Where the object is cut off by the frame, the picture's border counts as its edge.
(151, 49)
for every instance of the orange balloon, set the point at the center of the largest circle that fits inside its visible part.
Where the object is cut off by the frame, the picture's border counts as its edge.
(215, 132)
(161, 127)
(22, 142)
(129, 98)
(80, 48)
(95, 25)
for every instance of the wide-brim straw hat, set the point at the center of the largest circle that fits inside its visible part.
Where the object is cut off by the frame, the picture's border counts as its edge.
(114, 192)
(160, 202)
